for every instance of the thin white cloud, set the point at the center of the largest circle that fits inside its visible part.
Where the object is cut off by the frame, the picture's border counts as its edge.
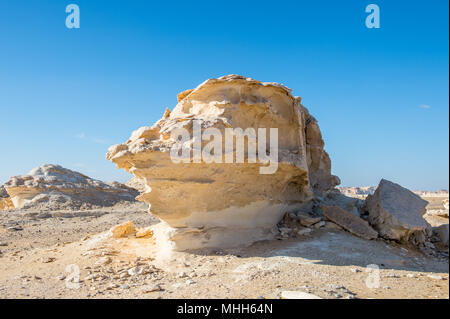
(80, 135)
(99, 141)
(425, 106)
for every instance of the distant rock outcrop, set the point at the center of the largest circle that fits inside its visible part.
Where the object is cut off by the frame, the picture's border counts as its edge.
(228, 204)
(52, 187)
(357, 191)
(396, 213)
(363, 191)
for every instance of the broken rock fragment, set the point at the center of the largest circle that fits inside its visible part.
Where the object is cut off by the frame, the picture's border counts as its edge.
(123, 230)
(349, 222)
(396, 213)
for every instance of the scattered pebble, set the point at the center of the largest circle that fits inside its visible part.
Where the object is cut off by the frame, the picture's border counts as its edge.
(151, 288)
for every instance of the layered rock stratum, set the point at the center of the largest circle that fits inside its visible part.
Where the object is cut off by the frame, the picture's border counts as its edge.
(227, 204)
(52, 187)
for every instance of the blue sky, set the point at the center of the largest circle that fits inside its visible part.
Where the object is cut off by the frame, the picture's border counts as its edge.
(380, 95)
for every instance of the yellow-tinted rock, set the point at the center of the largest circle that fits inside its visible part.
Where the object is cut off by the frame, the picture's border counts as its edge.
(123, 230)
(6, 204)
(144, 233)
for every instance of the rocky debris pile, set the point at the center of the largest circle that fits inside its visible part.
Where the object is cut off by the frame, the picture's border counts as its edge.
(392, 213)
(52, 187)
(219, 204)
(298, 224)
(397, 213)
(107, 273)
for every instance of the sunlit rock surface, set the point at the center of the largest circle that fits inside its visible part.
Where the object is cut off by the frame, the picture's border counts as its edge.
(227, 204)
(50, 187)
(397, 213)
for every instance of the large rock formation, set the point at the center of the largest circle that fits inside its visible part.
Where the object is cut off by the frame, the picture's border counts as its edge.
(396, 213)
(226, 204)
(51, 187)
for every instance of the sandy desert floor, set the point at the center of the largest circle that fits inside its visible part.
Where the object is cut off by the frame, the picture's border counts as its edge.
(41, 254)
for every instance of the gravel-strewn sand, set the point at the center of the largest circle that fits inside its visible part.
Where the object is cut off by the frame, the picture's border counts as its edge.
(329, 264)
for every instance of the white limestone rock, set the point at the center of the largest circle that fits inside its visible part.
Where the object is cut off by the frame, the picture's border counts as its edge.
(51, 187)
(228, 204)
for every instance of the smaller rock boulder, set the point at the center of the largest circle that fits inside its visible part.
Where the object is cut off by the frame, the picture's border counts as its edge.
(396, 213)
(123, 230)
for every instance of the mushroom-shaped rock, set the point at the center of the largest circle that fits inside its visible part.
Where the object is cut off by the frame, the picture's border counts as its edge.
(211, 191)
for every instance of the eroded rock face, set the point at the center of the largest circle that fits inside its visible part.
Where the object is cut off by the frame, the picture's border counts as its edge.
(51, 187)
(228, 204)
(396, 213)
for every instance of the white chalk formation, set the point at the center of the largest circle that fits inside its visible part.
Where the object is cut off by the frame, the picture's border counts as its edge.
(227, 204)
(52, 187)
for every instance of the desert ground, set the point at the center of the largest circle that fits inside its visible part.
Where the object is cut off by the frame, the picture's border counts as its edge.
(38, 249)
